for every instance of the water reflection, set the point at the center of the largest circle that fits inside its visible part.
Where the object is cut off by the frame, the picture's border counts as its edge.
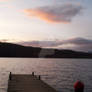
(59, 73)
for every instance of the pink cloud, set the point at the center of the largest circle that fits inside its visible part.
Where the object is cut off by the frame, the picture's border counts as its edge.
(55, 14)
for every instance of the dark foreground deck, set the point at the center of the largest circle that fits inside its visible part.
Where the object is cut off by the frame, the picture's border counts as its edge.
(27, 83)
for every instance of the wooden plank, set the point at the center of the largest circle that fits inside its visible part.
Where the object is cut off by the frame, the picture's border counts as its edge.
(27, 83)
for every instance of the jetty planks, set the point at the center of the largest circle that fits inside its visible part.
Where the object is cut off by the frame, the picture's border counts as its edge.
(27, 83)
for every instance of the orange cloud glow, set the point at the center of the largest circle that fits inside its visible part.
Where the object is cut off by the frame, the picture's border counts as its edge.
(55, 14)
(42, 15)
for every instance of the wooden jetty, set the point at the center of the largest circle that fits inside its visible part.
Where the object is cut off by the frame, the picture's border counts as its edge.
(27, 83)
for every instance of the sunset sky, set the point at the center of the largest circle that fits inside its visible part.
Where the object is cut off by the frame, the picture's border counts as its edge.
(50, 23)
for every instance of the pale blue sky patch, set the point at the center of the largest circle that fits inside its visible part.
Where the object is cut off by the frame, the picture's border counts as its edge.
(17, 25)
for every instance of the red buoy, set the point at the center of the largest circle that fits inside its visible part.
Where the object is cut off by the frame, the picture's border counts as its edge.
(79, 86)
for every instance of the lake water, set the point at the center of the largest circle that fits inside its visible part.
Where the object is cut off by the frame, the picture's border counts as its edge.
(59, 73)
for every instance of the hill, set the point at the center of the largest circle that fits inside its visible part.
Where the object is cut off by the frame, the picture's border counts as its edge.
(15, 50)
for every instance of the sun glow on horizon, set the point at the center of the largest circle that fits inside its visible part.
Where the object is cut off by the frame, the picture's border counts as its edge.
(30, 21)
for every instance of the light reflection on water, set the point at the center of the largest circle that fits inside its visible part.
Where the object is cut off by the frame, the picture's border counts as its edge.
(59, 73)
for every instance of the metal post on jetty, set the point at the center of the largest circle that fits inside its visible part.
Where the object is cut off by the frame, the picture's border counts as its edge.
(32, 73)
(39, 77)
(10, 76)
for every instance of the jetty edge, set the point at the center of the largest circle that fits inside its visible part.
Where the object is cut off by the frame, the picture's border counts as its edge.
(27, 83)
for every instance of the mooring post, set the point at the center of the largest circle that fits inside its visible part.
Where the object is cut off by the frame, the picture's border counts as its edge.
(32, 73)
(10, 76)
(39, 77)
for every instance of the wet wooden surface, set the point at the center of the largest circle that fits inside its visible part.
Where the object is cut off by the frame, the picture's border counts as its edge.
(27, 83)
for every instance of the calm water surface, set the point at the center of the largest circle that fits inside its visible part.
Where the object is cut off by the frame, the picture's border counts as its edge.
(59, 73)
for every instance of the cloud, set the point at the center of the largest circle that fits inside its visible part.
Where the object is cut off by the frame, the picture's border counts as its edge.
(55, 13)
(40, 43)
(78, 41)
(4, 0)
(4, 40)
(9, 40)
(4, 4)
(80, 44)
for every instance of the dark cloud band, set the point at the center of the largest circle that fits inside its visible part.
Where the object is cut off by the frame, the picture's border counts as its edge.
(74, 43)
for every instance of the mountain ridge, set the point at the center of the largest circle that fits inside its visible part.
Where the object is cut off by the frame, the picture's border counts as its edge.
(16, 50)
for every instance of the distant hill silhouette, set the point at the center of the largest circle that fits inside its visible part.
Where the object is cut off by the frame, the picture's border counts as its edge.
(14, 50)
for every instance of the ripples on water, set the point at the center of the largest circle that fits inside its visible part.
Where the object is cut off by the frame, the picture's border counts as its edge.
(59, 73)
